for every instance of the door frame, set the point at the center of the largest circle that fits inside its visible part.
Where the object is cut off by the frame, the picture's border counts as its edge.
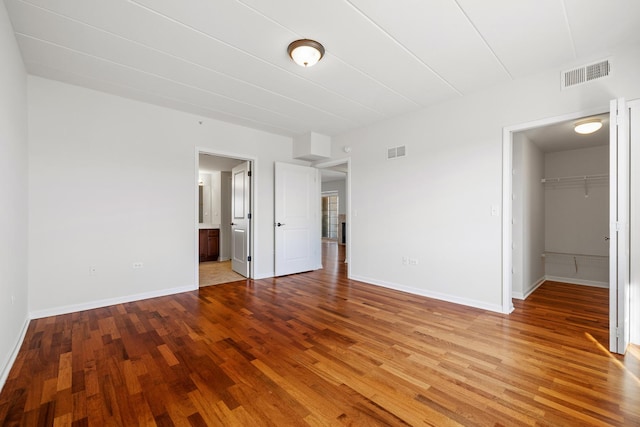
(253, 226)
(328, 164)
(507, 190)
(634, 232)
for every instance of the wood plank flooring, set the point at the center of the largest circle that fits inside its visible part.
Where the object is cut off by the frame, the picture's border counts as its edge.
(317, 349)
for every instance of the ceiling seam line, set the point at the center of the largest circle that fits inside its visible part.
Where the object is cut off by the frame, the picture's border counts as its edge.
(566, 20)
(246, 119)
(403, 47)
(486, 43)
(332, 54)
(165, 78)
(255, 57)
(416, 103)
(329, 113)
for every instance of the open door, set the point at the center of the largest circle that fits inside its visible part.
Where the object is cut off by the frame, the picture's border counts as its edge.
(619, 227)
(297, 219)
(240, 218)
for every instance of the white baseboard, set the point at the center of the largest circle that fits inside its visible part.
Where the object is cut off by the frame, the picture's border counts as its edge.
(570, 280)
(435, 295)
(520, 295)
(574, 281)
(4, 374)
(264, 275)
(107, 302)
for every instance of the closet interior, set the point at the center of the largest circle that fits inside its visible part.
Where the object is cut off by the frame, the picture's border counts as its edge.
(560, 207)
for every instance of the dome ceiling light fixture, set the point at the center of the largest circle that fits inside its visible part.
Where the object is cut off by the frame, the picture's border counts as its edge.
(587, 126)
(305, 52)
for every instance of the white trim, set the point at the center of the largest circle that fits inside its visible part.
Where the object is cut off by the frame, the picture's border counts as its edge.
(507, 229)
(109, 301)
(569, 280)
(634, 214)
(14, 353)
(574, 281)
(269, 275)
(434, 295)
(519, 295)
(507, 190)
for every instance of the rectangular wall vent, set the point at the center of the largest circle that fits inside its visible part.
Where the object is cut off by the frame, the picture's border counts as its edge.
(396, 152)
(585, 73)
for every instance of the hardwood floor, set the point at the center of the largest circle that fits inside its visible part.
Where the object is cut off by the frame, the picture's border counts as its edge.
(317, 349)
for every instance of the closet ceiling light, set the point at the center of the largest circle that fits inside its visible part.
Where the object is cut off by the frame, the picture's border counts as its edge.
(306, 52)
(588, 126)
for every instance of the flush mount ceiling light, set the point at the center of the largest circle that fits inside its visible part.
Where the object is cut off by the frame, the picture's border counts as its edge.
(588, 126)
(305, 52)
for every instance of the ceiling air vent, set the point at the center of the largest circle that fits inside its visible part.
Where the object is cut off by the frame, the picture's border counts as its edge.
(395, 152)
(585, 73)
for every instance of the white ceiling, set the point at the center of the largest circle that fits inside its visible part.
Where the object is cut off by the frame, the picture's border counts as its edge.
(334, 173)
(210, 163)
(226, 59)
(561, 136)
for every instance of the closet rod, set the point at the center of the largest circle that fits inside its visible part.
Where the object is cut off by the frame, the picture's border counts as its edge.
(573, 255)
(575, 178)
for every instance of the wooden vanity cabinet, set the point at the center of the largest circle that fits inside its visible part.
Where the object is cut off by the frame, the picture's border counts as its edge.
(209, 244)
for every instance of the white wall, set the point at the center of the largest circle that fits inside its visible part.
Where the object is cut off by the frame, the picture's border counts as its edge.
(528, 216)
(533, 216)
(225, 216)
(517, 212)
(576, 224)
(112, 183)
(13, 196)
(216, 202)
(435, 204)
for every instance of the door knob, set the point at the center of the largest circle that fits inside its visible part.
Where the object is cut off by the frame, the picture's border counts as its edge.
(279, 224)
(233, 223)
(606, 237)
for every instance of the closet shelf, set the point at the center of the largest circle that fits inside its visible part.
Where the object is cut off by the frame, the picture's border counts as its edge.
(573, 254)
(576, 178)
(567, 257)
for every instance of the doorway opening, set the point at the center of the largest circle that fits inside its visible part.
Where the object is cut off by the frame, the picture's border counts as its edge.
(336, 180)
(330, 212)
(624, 197)
(560, 211)
(223, 228)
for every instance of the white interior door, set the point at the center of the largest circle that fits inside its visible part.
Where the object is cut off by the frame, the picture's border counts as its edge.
(240, 218)
(619, 227)
(634, 222)
(297, 219)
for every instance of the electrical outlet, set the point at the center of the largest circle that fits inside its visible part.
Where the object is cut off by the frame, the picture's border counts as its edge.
(93, 270)
(138, 265)
(405, 260)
